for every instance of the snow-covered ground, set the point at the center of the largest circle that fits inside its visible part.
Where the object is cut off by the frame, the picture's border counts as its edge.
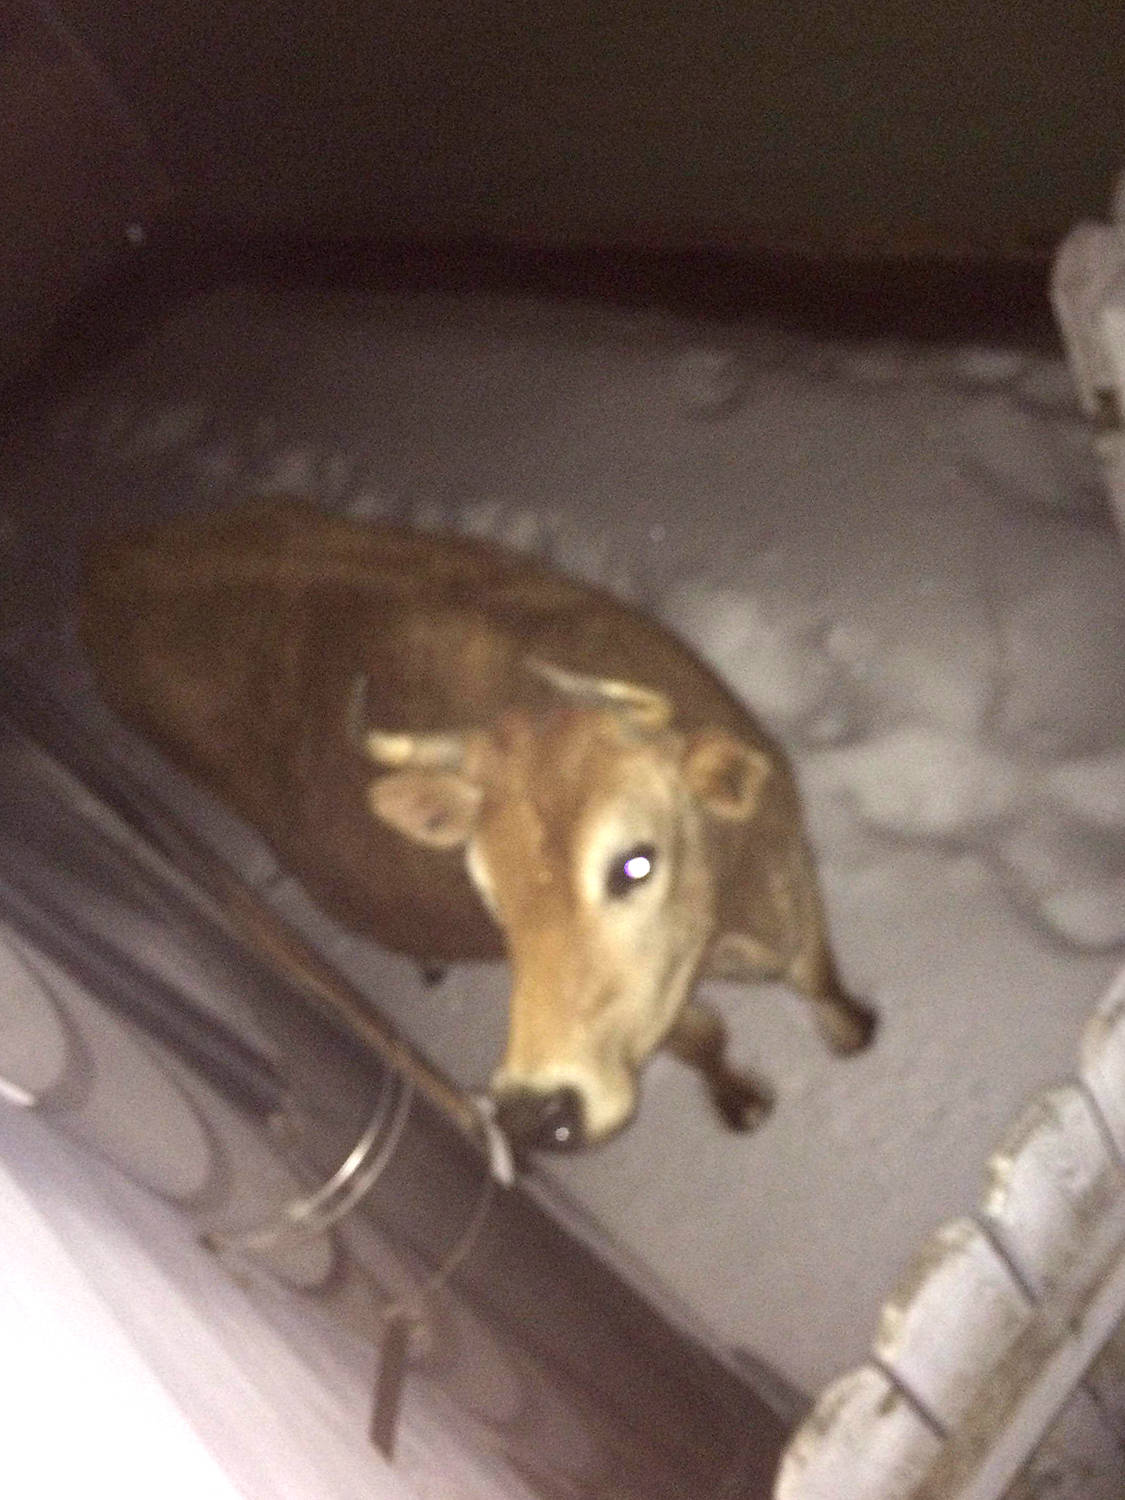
(900, 557)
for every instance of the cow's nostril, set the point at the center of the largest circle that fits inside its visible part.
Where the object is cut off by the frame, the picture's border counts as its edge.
(545, 1122)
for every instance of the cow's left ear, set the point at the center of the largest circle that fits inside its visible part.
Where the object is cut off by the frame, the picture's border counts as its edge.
(726, 775)
(435, 808)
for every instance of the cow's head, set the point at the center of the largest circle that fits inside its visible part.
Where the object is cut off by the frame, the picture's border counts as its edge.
(585, 831)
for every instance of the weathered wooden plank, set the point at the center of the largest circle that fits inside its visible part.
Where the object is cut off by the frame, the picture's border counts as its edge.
(1026, 1392)
(864, 1440)
(954, 1315)
(1055, 1192)
(1078, 1459)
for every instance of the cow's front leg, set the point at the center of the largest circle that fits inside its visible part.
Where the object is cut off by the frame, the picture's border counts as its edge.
(699, 1039)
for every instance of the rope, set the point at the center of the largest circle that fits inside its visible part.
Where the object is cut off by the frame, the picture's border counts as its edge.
(329, 1203)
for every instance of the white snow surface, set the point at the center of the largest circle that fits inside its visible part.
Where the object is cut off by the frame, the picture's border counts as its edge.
(900, 557)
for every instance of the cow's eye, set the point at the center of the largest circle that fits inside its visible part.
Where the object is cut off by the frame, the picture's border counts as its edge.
(628, 871)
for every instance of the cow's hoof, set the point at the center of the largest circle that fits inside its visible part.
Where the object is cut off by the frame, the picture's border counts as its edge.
(848, 1028)
(742, 1104)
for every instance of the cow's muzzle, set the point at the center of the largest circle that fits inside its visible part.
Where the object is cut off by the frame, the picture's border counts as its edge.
(551, 1121)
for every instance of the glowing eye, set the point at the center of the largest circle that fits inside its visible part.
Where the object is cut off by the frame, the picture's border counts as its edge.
(630, 870)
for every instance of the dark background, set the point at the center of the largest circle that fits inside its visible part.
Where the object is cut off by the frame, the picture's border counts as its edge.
(848, 164)
(975, 126)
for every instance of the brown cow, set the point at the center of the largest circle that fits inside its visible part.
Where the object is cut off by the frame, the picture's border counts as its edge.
(465, 755)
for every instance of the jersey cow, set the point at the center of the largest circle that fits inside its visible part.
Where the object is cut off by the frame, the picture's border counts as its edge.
(465, 755)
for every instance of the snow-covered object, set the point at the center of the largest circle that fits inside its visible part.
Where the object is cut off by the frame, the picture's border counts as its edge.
(997, 1319)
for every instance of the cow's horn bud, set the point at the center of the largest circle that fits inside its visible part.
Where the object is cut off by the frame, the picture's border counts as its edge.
(645, 706)
(425, 751)
(394, 749)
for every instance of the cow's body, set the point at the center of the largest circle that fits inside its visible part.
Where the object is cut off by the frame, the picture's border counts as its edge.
(238, 641)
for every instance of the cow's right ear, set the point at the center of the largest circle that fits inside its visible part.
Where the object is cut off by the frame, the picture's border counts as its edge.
(726, 775)
(435, 808)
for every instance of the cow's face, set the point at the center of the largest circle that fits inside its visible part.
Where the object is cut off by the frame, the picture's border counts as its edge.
(585, 833)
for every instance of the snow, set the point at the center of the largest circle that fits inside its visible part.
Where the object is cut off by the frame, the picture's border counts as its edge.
(1062, 621)
(899, 556)
(922, 781)
(1091, 915)
(711, 382)
(1014, 451)
(760, 643)
(1094, 787)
